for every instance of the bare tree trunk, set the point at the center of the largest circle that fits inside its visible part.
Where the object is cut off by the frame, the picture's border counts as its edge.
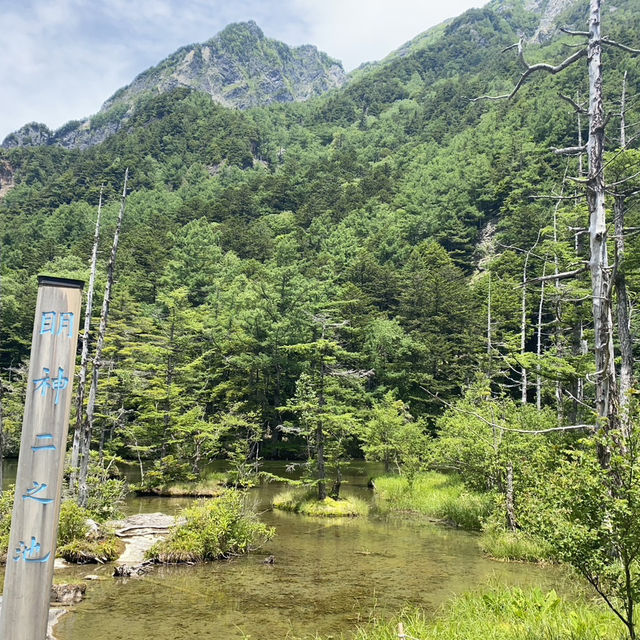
(625, 382)
(489, 341)
(169, 382)
(84, 358)
(1, 392)
(523, 323)
(1, 435)
(539, 345)
(623, 116)
(322, 473)
(605, 376)
(523, 328)
(104, 316)
(510, 505)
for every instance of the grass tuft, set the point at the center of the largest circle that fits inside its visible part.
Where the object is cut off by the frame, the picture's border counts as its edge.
(513, 546)
(213, 529)
(504, 613)
(81, 551)
(436, 495)
(211, 487)
(306, 503)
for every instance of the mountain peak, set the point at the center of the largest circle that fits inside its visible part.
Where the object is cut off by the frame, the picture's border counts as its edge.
(249, 28)
(239, 68)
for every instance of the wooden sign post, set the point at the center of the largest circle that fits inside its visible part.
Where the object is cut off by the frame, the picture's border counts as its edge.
(36, 508)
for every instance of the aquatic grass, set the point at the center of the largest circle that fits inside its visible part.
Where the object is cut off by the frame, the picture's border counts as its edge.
(212, 529)
(514, 546)
(306, 503)
(210, 487)
(503, 613)
(436, 495)
(91, 551)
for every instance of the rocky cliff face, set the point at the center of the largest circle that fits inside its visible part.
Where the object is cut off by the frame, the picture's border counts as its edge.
(33, 134)
(549, 11)
(239, 68)
(6, 179)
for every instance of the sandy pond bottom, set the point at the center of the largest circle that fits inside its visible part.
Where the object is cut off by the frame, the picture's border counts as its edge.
(328, 577)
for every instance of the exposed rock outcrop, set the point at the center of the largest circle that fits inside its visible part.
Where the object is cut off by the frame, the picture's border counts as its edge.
(6, 179)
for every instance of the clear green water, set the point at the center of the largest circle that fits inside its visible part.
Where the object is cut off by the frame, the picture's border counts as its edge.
(328, 577)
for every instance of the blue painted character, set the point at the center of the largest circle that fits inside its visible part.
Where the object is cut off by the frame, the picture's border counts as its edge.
(44, 447)
(34, 491)
(58, 383)
(66, 322)
(48, 324)
(27, 553)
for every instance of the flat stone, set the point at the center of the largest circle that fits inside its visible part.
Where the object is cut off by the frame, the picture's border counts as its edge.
(140, 532)
(143, 524)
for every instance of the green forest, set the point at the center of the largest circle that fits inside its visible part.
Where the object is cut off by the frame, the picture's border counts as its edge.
(398, 271)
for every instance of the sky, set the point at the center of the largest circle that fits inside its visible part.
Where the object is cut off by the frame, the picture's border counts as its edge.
(61, 59)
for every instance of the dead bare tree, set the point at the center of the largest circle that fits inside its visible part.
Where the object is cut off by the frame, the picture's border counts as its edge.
(621, 195)
(85, 442)
(84, 358)
(606, 396)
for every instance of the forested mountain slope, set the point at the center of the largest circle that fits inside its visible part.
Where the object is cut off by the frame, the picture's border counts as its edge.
(377, 234)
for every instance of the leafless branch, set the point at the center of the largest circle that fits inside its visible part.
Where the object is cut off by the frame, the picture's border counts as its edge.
(570, 151)
(571, 32)
(358, 374)
(559, 276)
(618, 45)
(494, 425)
(624, 180)
(552, 197)
(578, 108)
(541, 66)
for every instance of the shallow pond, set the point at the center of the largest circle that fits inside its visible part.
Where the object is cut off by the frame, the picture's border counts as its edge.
(328, 577)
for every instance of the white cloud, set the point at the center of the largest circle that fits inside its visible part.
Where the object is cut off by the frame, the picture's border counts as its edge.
(357, 32)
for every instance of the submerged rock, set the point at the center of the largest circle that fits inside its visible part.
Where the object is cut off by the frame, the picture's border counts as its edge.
(67, 593)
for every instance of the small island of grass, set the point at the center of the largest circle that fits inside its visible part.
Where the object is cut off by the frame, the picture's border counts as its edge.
(308, 504)
(212, 530)
(436, 495)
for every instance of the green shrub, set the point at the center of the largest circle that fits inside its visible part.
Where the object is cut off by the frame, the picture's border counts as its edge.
(307, 503)
(106, 493)
(213, 529)
(6, 507)
(504, 614)
(166, 471)
(73, 523)
(437, 496)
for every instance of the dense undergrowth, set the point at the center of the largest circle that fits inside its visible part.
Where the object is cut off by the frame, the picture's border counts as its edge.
(503, 613)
